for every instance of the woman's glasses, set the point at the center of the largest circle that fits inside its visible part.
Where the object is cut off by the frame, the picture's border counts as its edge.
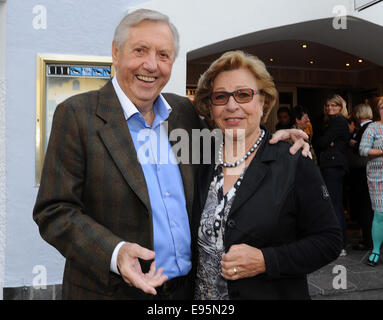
(220, 98)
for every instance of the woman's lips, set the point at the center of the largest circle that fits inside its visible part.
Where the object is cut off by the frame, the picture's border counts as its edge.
(233, 121)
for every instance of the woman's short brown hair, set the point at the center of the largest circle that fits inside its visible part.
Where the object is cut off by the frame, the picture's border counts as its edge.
(234, 60)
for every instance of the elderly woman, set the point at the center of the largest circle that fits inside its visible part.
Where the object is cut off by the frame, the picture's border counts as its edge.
(332, 150)
(263, 218)
(372, 146)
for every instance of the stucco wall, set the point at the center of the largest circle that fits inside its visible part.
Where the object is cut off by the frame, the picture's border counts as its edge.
(2, 145)
(2, 184)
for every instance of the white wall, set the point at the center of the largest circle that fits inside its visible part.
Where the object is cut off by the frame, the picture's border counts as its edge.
(2, 144)
(373, 14)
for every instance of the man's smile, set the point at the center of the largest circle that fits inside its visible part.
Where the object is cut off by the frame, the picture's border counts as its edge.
(145, 78)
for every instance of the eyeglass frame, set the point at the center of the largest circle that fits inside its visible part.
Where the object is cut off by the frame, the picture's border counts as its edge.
(232, 94)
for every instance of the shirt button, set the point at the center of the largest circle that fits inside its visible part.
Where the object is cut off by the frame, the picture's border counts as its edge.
(167, 194)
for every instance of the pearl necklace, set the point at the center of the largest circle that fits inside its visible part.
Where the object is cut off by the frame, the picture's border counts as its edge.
(237, 163)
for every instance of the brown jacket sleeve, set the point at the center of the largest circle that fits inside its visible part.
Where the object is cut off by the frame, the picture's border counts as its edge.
(59, 210)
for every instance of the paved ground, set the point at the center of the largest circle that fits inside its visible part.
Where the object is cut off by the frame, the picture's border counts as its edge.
(348, 278)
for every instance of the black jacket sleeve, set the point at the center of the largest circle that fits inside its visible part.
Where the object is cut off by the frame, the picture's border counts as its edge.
(319, 238)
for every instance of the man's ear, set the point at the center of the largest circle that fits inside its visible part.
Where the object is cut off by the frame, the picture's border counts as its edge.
(114, 54)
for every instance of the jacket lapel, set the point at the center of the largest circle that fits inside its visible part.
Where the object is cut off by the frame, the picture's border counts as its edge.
(118, 141)
(186, 169)
(255, 173)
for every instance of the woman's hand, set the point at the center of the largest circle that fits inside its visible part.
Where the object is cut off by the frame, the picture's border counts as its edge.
(297, 136)
(242, 261)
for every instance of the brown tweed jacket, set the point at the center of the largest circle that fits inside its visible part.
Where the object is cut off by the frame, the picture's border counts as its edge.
(93, 192)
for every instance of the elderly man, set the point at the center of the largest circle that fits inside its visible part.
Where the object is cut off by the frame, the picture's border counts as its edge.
(123, 226)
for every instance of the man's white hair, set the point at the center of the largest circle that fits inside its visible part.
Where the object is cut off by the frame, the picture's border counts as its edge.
(132, 19)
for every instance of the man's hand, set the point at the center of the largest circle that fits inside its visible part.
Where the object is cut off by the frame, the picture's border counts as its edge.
(242, 261)
(130, 268)
(297, 136)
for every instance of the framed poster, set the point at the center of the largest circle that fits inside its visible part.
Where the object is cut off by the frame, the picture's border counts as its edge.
(58, 78)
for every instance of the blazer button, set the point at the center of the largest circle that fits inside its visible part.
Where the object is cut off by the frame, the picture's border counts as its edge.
(231, 224)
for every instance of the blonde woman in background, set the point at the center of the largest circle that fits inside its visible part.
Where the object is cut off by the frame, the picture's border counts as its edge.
(372, 146)
(332, 147)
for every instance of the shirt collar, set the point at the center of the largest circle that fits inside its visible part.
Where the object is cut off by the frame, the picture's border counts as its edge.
(365, 122)
(161, 105)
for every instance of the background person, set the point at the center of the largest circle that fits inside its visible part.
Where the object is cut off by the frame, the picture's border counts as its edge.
(284, 119)
(331, 148)
(263, 219)
(372, 146)
(360, 197)
(351, 182)
(301, 121)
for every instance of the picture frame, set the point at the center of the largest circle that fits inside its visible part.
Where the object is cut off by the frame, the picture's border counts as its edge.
(57, 78)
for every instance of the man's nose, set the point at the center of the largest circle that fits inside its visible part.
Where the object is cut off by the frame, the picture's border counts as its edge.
(150, 63)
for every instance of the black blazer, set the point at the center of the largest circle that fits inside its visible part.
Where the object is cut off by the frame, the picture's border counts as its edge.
(283, 208)
(335, 156)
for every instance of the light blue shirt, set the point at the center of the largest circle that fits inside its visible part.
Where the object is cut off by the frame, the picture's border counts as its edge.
(164, 182)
